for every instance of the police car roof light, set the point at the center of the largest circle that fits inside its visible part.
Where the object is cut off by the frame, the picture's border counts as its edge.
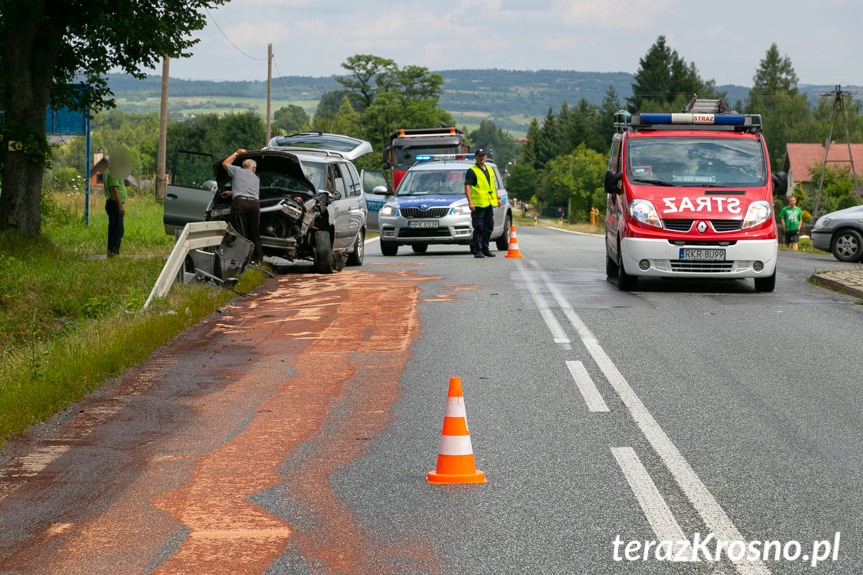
(444, 157)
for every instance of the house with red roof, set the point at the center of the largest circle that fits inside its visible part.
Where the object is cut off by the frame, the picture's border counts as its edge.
(801, 158)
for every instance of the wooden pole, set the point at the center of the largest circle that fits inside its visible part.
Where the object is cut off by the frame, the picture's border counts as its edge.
(161, 176)
(269, 87)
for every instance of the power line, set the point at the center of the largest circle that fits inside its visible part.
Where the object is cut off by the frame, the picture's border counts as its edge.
(237, 48)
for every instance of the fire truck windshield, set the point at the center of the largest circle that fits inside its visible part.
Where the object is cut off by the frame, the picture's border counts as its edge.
(405, 157)
(698, 161)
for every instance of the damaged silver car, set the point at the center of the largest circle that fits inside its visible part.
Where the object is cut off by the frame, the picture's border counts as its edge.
(311, 197)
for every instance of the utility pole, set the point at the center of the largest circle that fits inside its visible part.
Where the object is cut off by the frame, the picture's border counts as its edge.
(838, 103)
(161, 176)
(269, 87)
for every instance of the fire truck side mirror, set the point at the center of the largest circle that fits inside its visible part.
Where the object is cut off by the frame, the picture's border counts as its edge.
(612, 182)
(780, 183)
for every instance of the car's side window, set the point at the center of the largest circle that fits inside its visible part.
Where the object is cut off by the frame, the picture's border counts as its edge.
(352, 178)
(339, 184)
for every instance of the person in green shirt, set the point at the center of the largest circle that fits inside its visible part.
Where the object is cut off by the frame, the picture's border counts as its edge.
(791, 217)
(115, 199)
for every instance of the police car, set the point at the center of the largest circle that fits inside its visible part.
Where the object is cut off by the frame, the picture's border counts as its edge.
(430, 207)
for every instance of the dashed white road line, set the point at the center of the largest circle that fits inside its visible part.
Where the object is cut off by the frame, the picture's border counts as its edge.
(585, 384)
(554, 326)
(655, 508)
(699, 496)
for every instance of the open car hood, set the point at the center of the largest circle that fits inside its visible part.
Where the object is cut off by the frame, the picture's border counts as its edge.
(319, 142)
(272, 161)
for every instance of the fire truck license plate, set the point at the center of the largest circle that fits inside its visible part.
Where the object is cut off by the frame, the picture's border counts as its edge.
(702, 255)
(422, 224)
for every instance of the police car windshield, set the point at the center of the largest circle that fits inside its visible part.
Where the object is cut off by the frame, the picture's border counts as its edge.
(432, 183)
(698, 161)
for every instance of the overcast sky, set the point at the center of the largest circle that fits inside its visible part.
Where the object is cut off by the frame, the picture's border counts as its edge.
(726, 39)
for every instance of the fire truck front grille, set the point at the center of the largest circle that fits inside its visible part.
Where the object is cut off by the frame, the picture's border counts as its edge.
(702, 267)
(677, 225)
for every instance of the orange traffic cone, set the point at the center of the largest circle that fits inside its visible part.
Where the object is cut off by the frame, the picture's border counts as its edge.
(513, 245)
(455, 462)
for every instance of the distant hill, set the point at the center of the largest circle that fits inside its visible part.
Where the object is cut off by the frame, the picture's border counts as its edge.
(510, 98)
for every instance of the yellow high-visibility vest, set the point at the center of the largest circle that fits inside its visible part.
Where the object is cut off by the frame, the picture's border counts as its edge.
(483, 194)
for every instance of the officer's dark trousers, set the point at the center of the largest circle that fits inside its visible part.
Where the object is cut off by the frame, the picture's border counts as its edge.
(483, 224)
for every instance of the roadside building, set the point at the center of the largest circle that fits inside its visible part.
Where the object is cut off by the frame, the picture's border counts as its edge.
(800, 159)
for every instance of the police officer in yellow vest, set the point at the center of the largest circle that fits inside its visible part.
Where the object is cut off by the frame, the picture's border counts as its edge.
(482, 199)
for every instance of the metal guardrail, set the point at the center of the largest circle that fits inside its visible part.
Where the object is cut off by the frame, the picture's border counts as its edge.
(195, 235)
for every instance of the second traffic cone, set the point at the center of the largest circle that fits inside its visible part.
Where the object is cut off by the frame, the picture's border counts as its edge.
(455, 462)
(513, 245)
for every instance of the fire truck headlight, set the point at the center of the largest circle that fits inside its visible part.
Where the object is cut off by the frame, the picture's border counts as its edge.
(644, 212)
(758, 213)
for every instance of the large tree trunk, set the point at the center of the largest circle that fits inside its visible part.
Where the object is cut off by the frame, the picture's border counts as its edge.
(29, 59)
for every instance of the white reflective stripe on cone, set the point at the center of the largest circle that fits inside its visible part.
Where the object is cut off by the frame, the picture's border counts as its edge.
(455, 407)
(455, 445)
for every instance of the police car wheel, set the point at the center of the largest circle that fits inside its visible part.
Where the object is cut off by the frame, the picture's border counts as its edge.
(389, 248)
(420, 248)
(502, 243)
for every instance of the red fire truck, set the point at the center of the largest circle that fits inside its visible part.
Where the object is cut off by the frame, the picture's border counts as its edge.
(407, 145)
(690, 195)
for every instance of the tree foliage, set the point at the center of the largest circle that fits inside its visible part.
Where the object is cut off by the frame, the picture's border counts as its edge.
(59, 52)
(386, 98)
(290, 119)
(665, 79)
(500, 144)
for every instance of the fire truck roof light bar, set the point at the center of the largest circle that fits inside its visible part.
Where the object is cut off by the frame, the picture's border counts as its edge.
(739, 122)
(697, 119)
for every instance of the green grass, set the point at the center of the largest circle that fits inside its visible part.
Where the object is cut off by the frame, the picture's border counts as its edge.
(520, 220)
(70, 319)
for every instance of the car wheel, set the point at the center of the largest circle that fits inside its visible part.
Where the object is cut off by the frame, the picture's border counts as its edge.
(356, 257)
(766, 284)
(389, 248)
(323, 252)
(610, 267)
(848, 246)
(502, 242)
(625, 281)
(420, 248)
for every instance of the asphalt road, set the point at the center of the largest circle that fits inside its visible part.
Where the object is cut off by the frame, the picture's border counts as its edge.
(293, 433)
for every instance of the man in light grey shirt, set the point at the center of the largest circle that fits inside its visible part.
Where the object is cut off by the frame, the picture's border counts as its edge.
(245, 191)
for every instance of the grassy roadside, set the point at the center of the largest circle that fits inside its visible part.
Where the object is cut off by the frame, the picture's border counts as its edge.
(70, 319)
(520, 220)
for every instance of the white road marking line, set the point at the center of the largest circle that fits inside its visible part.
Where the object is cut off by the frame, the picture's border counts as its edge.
(554, 326)
(702, 500)
(585, 384)
(655, 508)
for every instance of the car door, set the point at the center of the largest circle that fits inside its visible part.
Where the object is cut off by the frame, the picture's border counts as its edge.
(344, 230)
(358, 216)
(503, 204)
(372, 179)
(192, 189)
